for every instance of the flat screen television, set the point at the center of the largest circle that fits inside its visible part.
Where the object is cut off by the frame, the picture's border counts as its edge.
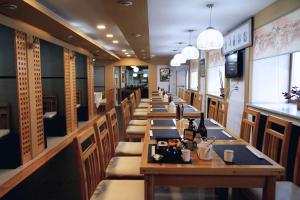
(234, 65)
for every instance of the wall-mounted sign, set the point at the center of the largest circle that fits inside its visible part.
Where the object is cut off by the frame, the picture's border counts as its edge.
(202, 67)
(238, 38)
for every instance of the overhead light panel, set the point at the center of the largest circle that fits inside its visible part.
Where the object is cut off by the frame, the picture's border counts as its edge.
(109, 35)
(115, 41)
(101, 27)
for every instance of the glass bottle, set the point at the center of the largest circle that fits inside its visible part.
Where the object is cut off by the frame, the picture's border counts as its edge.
(201, 128)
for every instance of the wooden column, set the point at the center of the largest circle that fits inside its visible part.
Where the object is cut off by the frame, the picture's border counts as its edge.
(70, 90)
(23, 96)
(90, 85)
(35, 95)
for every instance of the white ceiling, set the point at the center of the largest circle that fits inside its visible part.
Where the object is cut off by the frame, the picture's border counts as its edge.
(169, 20)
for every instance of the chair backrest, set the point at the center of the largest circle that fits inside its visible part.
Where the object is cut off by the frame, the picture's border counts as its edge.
(88, 160)
(250, 125)
(132, 102)
(222, 112)
(103, 139)
(276, 144)
(213, 109)
(110, 99)
(4, 115)
(125, 110)
(50, 104)
(296, 178)
(197, 101)
(187, 96)
(113, 127)
(137, 93)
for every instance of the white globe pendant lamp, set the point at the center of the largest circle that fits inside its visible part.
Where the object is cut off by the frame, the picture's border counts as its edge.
(136, 69)
(210, 38)
(134, 74)
(180, 58)
(190, 52)
(174, 63)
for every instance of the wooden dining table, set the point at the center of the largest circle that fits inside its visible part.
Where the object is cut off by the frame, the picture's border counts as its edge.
(213, 173)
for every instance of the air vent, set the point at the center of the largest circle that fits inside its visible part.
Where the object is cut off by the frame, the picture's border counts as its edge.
(126, 3)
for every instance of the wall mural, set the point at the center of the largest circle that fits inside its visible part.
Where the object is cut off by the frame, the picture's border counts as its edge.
(278, 37)
(215, 58)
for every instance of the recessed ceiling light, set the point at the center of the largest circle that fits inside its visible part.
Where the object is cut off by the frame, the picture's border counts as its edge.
(128, 55)
(137, 35)
(124, 50)
(101, 27)
(126, 3)
(115, 41)
(109, 35)
(9, 6)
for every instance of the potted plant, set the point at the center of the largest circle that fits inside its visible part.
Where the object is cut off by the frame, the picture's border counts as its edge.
(293, 95)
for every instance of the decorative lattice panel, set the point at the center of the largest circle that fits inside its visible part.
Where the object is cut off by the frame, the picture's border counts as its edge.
(73, 91)
(90, 80)
(23, 96)
(68, 90)
(39, 138)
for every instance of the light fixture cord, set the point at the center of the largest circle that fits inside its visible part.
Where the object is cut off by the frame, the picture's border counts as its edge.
(210, 16)
(190, 37)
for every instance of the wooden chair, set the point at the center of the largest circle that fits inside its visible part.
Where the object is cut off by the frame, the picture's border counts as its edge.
(213, 109)
(222, 112)
(284, 189)
(273, 140)
(137, 113)
(197, 101)
(92, 183)
(121, 148)
(130, 130)
(116, 167)
(139, 104)
(188, 96)
(249, 126)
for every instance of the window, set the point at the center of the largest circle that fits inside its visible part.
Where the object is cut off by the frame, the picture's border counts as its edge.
(295, 73)
(270, 79)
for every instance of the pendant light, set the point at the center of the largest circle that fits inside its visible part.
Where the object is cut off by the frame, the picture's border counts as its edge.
(190, 52)
(136, 69)
(180, 58)
(174, 63)
(210, 38)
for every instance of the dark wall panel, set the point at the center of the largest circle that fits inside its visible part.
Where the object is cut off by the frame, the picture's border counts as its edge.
(7, 52)
(80, 64)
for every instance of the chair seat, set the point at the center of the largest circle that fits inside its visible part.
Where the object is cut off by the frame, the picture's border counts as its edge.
(143, 105)
(136, 130)
(145, 100)
(141, 110)
(284, 190)
(129, 149)
(124, 167)
(119, 189)
(137, 122)
(140, 113)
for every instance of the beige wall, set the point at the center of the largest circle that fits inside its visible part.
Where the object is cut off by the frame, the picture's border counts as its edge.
(109, 72)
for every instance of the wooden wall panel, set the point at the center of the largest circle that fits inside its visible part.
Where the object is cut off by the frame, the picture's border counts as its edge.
(68, 99)
(23, 96)
(35, 95)
(73, 90)
(90, 83)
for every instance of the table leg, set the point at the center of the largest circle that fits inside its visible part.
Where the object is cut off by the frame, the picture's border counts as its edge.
(269, 188)
(149, 187)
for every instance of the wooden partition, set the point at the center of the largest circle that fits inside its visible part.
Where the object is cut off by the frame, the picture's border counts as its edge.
(90, 83)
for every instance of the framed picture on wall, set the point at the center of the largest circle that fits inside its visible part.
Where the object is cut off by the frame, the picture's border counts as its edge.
(202, 67)
(164, 74)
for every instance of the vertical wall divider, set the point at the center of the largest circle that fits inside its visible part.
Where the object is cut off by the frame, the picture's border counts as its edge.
(90, 84)
(73, 90)
(35, 95)
(23, 96)
(68, 96)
